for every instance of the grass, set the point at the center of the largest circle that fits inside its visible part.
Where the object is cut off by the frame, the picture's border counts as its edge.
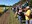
(13, 20)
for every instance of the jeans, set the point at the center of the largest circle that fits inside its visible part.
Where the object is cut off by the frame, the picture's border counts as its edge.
(27, 21)
(30, 21)
(20, 19)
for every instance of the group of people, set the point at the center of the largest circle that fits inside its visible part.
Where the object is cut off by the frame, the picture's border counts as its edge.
(24, 13)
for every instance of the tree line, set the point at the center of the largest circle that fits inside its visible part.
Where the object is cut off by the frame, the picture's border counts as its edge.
(22, 1)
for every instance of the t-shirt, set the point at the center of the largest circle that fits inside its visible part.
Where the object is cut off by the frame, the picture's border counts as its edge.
(28, 12)
(20, 13)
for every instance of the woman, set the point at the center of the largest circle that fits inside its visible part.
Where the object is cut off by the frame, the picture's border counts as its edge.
(20, 15)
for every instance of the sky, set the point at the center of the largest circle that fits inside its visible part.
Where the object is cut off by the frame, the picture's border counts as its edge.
(8, 2)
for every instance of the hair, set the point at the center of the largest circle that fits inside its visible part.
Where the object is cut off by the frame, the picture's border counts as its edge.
(29, 8)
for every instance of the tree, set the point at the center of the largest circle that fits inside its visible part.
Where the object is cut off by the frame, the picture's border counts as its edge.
(30, 3)
(20, 2)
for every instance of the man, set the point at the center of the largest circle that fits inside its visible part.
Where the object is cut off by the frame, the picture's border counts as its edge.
(14, 9)
(27, 14)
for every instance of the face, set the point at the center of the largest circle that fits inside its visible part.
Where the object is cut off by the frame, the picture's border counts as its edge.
(25, 9)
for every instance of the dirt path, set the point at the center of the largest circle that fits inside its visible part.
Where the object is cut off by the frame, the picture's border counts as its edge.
(5, 18)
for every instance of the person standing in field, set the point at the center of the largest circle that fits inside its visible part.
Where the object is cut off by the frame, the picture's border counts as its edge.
(27, 14)
(14, 9)
(20, 15)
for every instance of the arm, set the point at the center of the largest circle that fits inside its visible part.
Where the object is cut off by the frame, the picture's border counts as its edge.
(15, 14)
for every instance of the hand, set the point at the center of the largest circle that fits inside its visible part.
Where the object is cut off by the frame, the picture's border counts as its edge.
(15, 14)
